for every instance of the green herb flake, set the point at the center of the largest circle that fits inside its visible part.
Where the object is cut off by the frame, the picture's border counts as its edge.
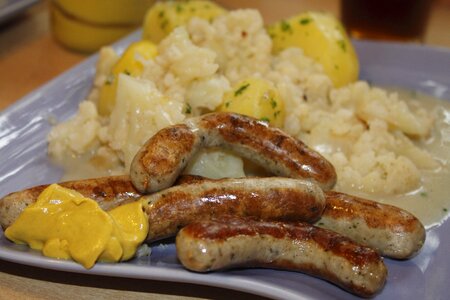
(227, 104)
(445, 209)
(188, 109)
(305, 21)
(423, 194)
(240, 90)
(265, 119)
(285, 26)
(342, 44)
(276, 114)
(164, 23)
(179, 8)
(161, 14)
(273, 103)
(321, 224)
(126, 72)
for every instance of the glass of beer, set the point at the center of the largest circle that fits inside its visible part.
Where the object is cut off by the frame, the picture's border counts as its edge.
(400, 20)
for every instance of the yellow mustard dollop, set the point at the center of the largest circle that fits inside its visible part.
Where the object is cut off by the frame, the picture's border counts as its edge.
(64, 224)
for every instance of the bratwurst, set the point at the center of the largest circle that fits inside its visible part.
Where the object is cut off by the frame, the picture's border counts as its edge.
(392, 231)
(272, 198)
(159, 162)
(236, 242)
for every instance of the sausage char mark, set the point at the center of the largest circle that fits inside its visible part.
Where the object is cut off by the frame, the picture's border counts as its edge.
(163, 157)
(231, 242)
(266, 198)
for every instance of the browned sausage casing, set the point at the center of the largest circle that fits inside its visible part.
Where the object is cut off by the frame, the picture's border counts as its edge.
(273, 198)
(159, 162)
(235, 242)
(109, 192)
(392, 231)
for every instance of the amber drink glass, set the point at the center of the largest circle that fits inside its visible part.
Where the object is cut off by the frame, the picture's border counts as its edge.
(400, 20)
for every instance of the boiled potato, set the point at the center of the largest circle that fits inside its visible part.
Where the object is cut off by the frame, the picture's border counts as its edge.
(164, 16)
(322, 37)
(257, 98)
(216, 163)
(141, 110)
(130, 63)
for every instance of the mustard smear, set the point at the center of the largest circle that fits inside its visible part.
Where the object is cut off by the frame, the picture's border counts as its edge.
(64, 224)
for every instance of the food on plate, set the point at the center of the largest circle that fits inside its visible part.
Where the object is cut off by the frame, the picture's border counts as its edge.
(165, 16)
(108, 192)
(64, 224)
(216, 97)
(236, 242)
(130, 63)
(165, 155)
(378, 141)
(391, 231)
(268, 198)
(170, 208)
(322, 37)
(257, 98)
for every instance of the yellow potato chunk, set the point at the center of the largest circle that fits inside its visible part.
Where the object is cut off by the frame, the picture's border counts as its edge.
(322, 37)
(257, 98)
(164, 16)
(131, 64)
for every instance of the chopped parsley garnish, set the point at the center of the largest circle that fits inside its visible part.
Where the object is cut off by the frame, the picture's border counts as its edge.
(285, 26)
(265, 119)
(161, 14)
(164, 23)
(227, 104)
(445, 209)
(423, 194)
(126, 72)
(342, 44)
(179, 8)
(305, 21)
(273, 103)
(241, 89)
(188, 109)
(275, 114)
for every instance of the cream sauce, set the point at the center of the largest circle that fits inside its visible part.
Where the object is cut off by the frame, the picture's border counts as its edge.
(431, 202)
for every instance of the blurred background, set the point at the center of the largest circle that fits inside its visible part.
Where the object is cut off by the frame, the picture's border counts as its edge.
(31, 53)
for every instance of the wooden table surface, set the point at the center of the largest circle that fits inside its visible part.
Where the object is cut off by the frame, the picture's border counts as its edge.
(29, 57)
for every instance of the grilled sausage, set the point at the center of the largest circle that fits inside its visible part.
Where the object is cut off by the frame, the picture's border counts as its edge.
(236, 242)
(266, 198)
(109, 192)
(159, 162)
(392, 231)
